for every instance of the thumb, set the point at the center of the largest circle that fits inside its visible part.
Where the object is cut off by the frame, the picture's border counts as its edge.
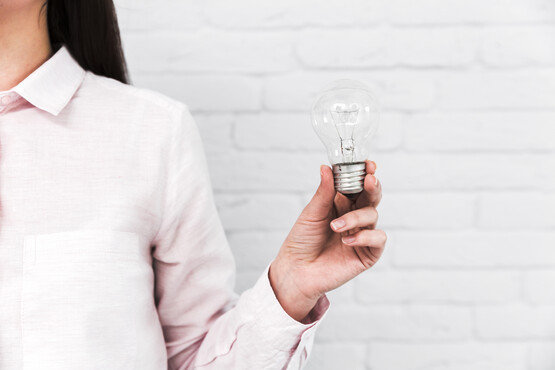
(322, 201)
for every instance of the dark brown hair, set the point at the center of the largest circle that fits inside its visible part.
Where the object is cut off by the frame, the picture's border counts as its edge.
(90, 31)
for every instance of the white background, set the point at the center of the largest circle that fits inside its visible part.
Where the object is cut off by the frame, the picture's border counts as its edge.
(465, 153)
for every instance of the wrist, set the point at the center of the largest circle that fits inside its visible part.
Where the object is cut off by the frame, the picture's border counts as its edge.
(294, 301)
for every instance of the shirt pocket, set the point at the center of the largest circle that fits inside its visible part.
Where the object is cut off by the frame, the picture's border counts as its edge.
(86, 299)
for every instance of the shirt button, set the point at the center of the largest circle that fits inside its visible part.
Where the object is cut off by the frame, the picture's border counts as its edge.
(5, 100)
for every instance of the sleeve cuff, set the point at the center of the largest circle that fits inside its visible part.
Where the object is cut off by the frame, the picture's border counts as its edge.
(286, 333)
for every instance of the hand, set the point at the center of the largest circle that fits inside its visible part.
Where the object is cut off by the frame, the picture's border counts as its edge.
(317, 255)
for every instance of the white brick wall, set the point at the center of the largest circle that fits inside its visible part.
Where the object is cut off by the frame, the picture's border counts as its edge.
(465, 152)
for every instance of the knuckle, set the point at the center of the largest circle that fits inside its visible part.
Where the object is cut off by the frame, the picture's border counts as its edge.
(383, 237)
(370, 215)
(374, 214)
(367, 236)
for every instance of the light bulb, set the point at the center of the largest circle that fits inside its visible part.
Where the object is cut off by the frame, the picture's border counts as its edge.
(345, 115)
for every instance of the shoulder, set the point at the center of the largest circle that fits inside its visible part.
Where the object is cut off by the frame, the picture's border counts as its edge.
(154, 105)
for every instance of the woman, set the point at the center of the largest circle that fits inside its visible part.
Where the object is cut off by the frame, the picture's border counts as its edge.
(112, 254)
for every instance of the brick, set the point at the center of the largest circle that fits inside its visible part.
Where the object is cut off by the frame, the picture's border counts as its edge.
(420, 286)
(440, 12)
(257, 211)
(400, 91)
(528, 211)
(466, 249)
(245, 279)
(511, 90)
(279, 131)
(385, 260)
(288, 171)
(333, 356)
(394, 322)
(343, 296)
(253, 14)
(442, 47)
(541, 355)
(515, 322)
(206, 93)
(266, 171)
(255, 249)
(215, 130)
(483, 131)
(539, 286)
(387, 47)
(345, 48)
(290, 13)
(426, 211)
(457, 171)
(294, 132)
(210, 51)
(519, 46)
(446, 356)
(149, 15)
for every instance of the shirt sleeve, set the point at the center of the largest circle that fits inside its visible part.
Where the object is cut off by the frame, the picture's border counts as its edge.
(205, 324)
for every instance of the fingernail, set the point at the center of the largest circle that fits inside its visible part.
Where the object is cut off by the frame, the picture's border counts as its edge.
(375, 166)
(321, 170)
(337, 224)
(376, 181)
(348, 239)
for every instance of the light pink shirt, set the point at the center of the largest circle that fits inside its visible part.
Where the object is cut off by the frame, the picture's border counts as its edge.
(112, 254)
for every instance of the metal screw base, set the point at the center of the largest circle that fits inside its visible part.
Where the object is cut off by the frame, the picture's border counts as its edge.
(349, 178)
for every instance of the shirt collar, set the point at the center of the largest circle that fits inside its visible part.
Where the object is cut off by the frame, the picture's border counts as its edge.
(51, 86)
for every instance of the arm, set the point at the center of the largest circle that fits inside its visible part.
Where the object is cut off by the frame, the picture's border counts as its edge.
(205, 324)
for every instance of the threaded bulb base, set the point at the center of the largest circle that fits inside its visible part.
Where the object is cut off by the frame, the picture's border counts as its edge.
(349, 178)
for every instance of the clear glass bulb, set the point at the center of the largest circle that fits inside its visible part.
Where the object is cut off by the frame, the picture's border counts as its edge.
(345, 116)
